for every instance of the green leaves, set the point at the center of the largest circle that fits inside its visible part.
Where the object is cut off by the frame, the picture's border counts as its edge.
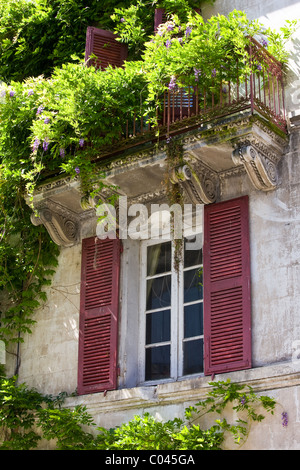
(27, 260)
(22, 408)
(36, 37)
(241, 398)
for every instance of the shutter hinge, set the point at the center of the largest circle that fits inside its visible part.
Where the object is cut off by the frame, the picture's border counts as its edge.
(118, 371)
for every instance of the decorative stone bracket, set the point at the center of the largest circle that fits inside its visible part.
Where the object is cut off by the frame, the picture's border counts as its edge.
(261, 170)
(61, 223)
(201, 189)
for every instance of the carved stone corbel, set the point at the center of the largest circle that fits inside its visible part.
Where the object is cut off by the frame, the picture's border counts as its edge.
(261, 170)
(200, 189)
(61, 223)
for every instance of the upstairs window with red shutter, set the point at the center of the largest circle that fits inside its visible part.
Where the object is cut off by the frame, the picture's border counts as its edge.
(178, 102)
(160, 16)
(105, 47)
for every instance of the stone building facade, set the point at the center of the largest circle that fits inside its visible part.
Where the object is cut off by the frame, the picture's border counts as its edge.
(240, 156)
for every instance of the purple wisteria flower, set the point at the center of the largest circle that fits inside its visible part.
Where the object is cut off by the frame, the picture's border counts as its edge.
(40, 110)
(3, 93)
(259, 67)
(264, 42)
(12, 93)
(170, 27)
(62, 152)
(77, 170)
(45, 145)
(168, 43)
(169, 140)
(213, 72)
(188, 31)
(172, 84)
(36, 144)
(122, 20)
(197, 72)
(284, 418)
(81, 142)
(180, 40)
(47, 120)
(30, 92)
(243, 400)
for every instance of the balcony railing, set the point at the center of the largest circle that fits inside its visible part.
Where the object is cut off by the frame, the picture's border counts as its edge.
(261, 91)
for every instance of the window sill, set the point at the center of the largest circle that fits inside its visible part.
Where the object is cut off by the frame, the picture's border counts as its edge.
(191, 390)
(156, 383)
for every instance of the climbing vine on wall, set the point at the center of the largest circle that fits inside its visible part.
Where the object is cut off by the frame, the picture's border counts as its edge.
(26, 416)
(58, 124)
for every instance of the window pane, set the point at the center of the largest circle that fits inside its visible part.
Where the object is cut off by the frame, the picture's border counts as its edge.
(158, 327)
(193, 320)
(193, 357)
(159, 259)
(158, 292)
(192, 257)
(193, 285)
(158, 362)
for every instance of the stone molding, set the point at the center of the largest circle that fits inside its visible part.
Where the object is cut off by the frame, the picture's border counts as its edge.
(249, 146)
(62, 224)
(261, 169)
(261, 379)
(200, 186)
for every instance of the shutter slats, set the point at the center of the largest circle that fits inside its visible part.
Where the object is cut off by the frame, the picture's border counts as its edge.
(226, 272)
(98, 315)
(160, 16)
(99, 275)
(105, 47)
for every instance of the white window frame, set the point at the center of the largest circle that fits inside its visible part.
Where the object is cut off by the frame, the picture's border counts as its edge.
(177, 327)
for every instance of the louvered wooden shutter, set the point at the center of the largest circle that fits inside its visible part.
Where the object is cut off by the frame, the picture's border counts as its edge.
(226, 278)
(98, 329)
(160, 17)
(104, 45)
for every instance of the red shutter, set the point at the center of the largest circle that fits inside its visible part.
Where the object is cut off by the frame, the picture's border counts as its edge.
(160, 17)
(99, 302)
(104, 45)
(226, 271)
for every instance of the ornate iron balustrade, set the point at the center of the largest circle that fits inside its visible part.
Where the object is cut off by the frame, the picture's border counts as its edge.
(261, 91)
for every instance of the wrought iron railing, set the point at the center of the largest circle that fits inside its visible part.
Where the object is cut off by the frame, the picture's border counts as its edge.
(260, 91)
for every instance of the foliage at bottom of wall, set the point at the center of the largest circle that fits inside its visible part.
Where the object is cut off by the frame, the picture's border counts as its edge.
(27, 417)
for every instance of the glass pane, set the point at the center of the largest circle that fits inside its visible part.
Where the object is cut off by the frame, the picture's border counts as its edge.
(193, 289)
(158, 327)
(192, 257)
(158, 363)
(193, 357)
(158, 292)
(193, 320)
(158, 259)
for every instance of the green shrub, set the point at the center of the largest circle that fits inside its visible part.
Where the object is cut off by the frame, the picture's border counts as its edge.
(26, 416)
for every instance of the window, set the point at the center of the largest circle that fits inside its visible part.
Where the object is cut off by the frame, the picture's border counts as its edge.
(172, 309)
(193, 320)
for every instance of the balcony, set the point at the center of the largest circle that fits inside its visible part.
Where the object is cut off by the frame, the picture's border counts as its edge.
(229, 129)
(260, 92)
